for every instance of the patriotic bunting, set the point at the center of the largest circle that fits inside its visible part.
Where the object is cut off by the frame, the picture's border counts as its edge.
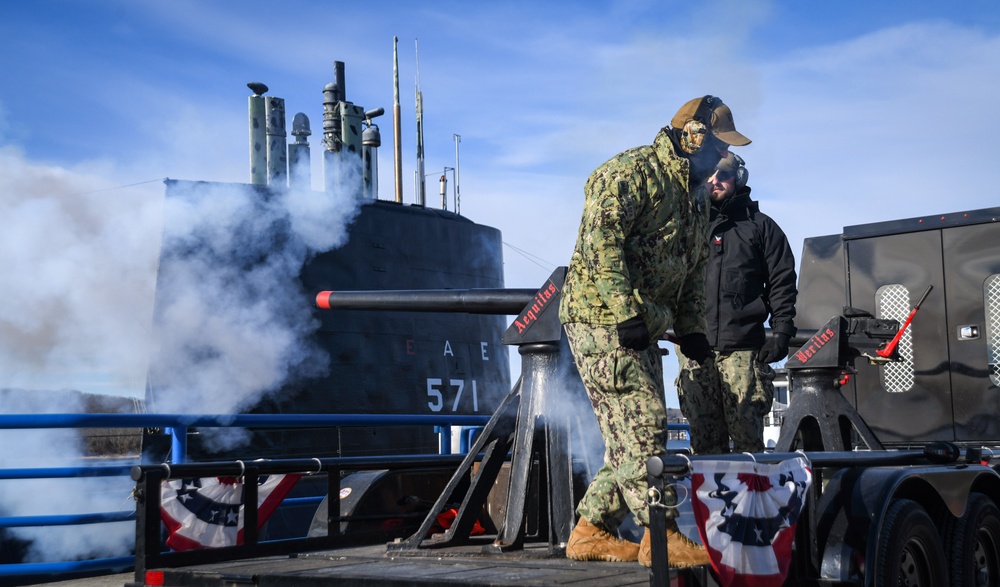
(208, 512)
(746, 514)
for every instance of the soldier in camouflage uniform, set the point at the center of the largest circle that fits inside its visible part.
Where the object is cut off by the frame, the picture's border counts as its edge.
(750, 277)
(637, 270)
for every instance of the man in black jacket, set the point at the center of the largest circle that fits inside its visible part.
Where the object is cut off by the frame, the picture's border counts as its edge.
(750, 276)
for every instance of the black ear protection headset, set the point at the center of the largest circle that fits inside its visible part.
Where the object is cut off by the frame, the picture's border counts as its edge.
(742, 175)
(695, 129)
(739, 173)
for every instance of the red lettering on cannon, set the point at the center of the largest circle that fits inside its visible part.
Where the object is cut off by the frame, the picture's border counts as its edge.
(817, 342)
(538, 303)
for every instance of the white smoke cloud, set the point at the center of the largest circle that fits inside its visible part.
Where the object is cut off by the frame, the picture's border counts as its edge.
(79, 258)
(80, 272)
(232, 321)
(78, 262)
(40, 497)
(567, 407)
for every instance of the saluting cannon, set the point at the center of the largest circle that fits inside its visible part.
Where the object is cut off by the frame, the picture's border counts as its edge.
(820, 417)
(523, 425)
(472, 301)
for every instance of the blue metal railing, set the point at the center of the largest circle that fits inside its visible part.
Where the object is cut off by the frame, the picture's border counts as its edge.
(179, 425)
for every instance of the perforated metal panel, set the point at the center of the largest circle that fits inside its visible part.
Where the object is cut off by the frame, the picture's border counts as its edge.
(991, 301)
(893, 302)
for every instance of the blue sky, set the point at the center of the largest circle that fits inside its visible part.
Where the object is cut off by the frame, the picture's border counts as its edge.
(859, 111)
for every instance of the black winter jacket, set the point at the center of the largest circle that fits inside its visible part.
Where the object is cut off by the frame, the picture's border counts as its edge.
(750, 276)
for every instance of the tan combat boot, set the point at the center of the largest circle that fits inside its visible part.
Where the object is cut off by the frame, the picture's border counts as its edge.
(588, 542)
(681, 550)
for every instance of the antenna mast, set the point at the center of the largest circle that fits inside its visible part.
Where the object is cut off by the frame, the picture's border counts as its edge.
(420, 131)
(397, 146)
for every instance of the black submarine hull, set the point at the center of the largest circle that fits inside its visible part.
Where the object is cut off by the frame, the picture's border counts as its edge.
(378, 362)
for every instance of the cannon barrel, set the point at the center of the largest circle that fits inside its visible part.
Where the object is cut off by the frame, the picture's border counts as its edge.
(470, 301)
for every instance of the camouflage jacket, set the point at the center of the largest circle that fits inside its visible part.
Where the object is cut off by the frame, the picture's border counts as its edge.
(642, 246)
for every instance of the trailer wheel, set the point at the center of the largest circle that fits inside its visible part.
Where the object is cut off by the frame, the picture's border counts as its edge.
(909, 548)
(974, 544)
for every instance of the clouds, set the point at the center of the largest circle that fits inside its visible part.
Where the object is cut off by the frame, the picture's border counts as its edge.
(891, 124)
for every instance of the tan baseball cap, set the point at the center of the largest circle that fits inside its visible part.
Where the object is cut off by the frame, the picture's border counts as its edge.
(719, 117)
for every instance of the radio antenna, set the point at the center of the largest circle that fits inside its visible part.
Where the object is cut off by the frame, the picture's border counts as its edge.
(420, 131)
(397, 145)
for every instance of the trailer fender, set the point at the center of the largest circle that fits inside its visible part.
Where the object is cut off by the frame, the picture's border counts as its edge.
(853, 505)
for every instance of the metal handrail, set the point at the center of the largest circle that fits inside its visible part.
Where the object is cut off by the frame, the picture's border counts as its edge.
(178, 422)
(33, 421)
(66, 472)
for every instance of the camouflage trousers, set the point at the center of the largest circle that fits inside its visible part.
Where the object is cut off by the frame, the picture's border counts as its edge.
(625, 388)
(726, 397)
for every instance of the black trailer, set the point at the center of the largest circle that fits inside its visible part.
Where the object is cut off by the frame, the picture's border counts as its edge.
(896, 383)
(944, 385)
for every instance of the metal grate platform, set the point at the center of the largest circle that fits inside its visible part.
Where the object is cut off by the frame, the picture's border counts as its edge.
(372, 566)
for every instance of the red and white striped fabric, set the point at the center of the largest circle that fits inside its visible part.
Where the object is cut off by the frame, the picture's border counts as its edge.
(746, 514)
(208, 512)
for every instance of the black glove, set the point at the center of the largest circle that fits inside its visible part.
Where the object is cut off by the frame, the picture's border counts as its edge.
(695, 346)
(774, 349)
(633, 334)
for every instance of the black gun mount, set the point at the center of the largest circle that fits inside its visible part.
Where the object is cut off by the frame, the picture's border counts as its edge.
(819, 417)
(857, 333)
(524, 425)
